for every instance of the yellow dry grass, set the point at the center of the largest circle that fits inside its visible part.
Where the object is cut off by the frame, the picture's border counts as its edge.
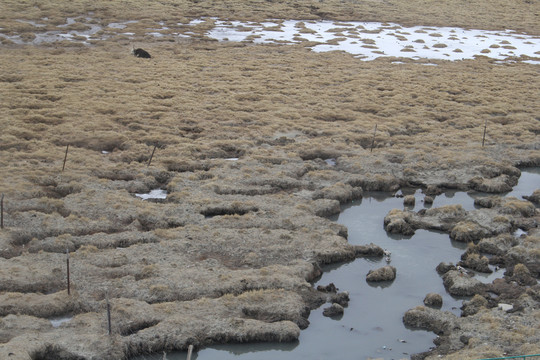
(502, 14)
(199, 100)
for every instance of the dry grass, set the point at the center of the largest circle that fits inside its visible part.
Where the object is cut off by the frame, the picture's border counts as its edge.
(194, 106)
(281, 109)
(174, 13)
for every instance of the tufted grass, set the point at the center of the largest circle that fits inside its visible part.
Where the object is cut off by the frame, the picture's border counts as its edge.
(225, 102)
(282, 109)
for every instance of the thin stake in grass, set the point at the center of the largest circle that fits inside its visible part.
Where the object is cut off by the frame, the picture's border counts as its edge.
(484, 136)
(65, 157)
(67, 265)
(373, 140)
(2, 212)
(151, 156)
(109, 315)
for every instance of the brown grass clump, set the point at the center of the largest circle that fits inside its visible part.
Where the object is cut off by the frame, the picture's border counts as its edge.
(515, 206)
(38, 305)
(466, 231)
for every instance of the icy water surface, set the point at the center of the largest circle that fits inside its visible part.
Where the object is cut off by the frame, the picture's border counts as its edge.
(153, 194)
(370, 40)
(57, 321)
(365, 40)
(372, 326)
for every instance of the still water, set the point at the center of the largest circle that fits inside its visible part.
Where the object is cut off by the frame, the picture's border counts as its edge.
(372, 326)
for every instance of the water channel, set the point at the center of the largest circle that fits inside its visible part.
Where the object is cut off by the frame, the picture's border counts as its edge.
(372, 326)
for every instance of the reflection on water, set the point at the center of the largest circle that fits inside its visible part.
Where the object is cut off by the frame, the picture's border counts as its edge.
(528, 182)
(372, 323)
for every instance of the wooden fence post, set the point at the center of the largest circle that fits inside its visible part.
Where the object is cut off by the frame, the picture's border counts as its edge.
(484, 136)
(2, 212)
(151, 156)
(65, 157)
(67, 264)
(109, 315)
(373, 140)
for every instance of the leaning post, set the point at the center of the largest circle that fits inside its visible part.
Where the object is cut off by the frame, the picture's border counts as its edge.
(151, 156)
(109, 315)
(484, 136)
(67, 265)
(65, 157)
(373, 140)
(2, 212)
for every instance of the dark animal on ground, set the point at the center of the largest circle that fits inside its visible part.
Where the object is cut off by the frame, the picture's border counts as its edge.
(141, 53)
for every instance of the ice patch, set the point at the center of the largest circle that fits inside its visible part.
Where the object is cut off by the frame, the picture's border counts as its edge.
(519, 232)
(154, 194)
(369, 41)
(330, 162)
(57, 321)
(365, 40)
(505, 307)
(121, 25)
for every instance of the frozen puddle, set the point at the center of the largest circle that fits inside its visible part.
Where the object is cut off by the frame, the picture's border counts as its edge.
(154, 194)
(57, 321)
(60, 34)
(519, 232)
(365, 40)
(330, 162)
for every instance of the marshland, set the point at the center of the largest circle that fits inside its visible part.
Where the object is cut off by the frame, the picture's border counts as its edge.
(252, 148)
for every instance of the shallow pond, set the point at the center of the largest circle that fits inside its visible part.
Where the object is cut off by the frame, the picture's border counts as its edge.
(372, 326)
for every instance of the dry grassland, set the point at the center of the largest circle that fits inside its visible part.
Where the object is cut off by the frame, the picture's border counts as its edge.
(519, 15)
(233, 238)
(200, 100)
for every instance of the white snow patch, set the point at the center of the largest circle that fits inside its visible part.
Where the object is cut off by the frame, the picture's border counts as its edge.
(369, 41)
(154, 194)
(505, 307)
(56, 322)
(365, 40)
